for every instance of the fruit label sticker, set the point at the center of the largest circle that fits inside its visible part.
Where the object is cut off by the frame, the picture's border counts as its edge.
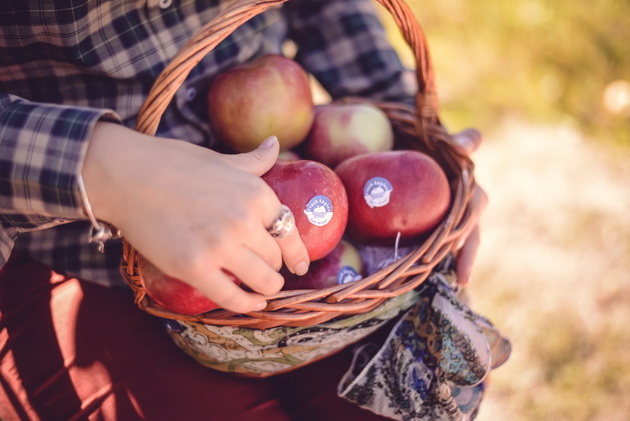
(376, 192)
(346, 275)
(319, 210)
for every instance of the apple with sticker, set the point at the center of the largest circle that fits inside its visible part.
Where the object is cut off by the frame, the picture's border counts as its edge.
(318, 200)
(391, 192)
(341, 266)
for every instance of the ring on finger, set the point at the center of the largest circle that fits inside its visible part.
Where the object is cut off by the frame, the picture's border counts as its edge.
(283, 225)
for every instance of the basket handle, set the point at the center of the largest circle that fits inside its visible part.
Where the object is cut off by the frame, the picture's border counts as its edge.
(240, 11)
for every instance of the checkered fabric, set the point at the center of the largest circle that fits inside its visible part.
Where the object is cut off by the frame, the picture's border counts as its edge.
(67, 64)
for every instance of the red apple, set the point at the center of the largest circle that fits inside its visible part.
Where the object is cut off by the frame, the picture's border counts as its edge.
(340, 266)
(318, 200)
(395, 191)
(343, 130)
(172, 293)
(268, 96)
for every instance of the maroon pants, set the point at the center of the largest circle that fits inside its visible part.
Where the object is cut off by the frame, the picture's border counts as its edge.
(74, 350)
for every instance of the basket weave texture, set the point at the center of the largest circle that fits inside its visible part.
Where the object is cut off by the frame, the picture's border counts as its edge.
(415, 128)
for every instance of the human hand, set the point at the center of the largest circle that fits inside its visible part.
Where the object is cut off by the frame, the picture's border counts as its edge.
(193, 212)
(466, 142)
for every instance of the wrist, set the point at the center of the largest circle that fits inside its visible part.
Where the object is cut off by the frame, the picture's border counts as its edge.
(109, 154)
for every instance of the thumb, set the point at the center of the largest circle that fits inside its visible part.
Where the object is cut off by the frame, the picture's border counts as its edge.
(258, 161)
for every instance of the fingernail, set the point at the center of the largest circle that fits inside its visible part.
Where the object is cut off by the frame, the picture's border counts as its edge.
(268, 143)
(301, 268)
(463, 277)
(261, 306)
(465, 142)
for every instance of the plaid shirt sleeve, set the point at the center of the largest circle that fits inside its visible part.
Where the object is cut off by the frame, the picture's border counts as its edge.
(344, 45)
(42, 147)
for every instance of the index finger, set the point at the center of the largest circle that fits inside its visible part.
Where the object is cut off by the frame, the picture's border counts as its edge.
(218, 287)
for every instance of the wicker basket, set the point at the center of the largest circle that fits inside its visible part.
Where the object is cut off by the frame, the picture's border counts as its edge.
(418, 128)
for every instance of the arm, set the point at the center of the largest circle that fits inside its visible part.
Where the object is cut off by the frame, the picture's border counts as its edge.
(190, 210)
(41, 152)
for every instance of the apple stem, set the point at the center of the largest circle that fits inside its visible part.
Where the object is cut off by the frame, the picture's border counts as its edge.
(396, 255)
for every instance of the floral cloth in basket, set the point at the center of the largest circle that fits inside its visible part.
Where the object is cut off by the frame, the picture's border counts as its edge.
(433, 364)
(258, 352)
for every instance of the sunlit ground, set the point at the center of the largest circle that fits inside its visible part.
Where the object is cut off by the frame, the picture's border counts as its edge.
(553, 273)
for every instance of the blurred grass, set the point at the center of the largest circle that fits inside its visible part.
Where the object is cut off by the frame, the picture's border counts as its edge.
(544, 60)
(548, 83)
(553, 273)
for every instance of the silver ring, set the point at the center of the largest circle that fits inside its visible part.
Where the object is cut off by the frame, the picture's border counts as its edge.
(283, 224)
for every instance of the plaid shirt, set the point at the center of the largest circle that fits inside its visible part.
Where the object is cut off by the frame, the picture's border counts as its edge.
(66, 64)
